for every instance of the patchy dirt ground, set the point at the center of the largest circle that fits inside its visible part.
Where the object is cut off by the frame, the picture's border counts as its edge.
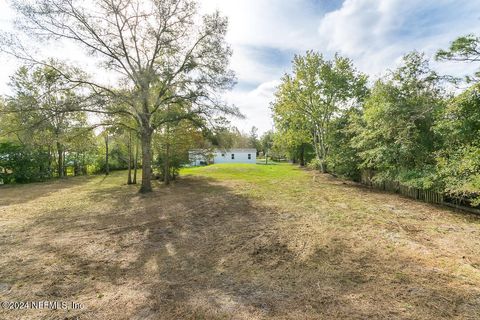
(224, 244)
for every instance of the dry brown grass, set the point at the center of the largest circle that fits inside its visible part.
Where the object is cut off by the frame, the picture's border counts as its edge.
(208, 247)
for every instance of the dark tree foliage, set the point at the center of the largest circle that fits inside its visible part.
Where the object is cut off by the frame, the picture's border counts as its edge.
(344, 158)
(458, 161)
(396, 138)
(21, 164)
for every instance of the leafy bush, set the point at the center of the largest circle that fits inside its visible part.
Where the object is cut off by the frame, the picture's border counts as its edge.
(21, 165)
(314, 164)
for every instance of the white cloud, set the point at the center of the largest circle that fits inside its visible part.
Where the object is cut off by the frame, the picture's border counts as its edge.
(375, 34)
(255, 105)
(272, 23)
(248, 69)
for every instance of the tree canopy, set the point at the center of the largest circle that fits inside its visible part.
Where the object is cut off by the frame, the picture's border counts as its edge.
(307, 101)
(161, 53)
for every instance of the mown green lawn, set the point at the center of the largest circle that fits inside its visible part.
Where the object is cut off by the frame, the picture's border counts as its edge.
(260, 174)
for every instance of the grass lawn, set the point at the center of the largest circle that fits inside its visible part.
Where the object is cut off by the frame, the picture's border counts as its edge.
(235, 241)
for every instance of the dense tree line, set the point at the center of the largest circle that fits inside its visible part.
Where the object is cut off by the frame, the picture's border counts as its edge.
(42, 138)
(405, 127)
(161, 67)
(43, 135)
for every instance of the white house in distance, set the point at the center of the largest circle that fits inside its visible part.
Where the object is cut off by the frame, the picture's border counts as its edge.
(202, 157)
(235, 156)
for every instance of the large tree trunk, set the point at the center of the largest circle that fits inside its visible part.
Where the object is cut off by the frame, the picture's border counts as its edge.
(64, 166)
(146, 139)
(302, 155)
(318, 144)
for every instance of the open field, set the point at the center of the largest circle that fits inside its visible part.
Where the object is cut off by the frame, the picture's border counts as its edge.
(235, 241)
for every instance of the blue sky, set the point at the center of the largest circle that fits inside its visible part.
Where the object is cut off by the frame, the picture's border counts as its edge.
(265, 34)
(375, 34)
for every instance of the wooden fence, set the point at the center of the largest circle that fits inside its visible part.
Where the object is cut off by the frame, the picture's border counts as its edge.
(429, 196)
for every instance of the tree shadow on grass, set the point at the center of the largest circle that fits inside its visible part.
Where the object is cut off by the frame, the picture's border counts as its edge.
(199, 250)
(22, 193)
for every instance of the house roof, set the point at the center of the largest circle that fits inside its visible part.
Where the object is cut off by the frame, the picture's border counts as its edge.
(224, 150)
(236, 150)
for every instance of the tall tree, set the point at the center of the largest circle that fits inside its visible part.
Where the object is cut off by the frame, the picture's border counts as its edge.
(396, 137)
(161, 52)
(317, 91)
(254, 142)
(293, 128)
(40, 111)
(266, 143)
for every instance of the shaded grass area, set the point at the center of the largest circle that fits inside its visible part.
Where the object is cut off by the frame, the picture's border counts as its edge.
(235, 241)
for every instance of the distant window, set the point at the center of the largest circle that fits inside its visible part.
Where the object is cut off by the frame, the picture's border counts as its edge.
(233, 156)
(249, 156)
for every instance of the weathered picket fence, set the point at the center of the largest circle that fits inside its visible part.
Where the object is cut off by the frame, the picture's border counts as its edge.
(429, 196)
